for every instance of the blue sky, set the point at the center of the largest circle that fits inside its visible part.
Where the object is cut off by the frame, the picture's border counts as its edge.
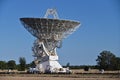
(99, 30)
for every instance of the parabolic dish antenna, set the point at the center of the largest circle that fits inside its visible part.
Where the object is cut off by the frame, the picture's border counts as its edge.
(49, 33)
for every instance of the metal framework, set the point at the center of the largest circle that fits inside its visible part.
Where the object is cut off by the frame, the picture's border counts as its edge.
(44, 28)
(49, 34)
(52, 12)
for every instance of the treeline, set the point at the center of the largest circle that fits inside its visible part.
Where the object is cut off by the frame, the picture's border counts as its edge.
(82, 66)
(105, 60)
(108, 61)
(11, 65)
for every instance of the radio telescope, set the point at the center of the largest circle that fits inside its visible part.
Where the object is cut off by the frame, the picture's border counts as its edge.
(49, 33)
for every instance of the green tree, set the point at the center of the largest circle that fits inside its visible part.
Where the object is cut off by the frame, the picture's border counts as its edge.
(11, 64)
(86, 68)
(32, 64)
(3, 65)
(106, 60)
(117, 63)
(68, 64)
(22, 64)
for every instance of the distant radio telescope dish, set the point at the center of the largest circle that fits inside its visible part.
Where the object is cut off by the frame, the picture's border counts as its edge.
(49, 33)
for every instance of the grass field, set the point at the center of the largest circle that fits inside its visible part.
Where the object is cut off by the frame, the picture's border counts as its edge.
(53, 78)
(76, 75)
(59, 77)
